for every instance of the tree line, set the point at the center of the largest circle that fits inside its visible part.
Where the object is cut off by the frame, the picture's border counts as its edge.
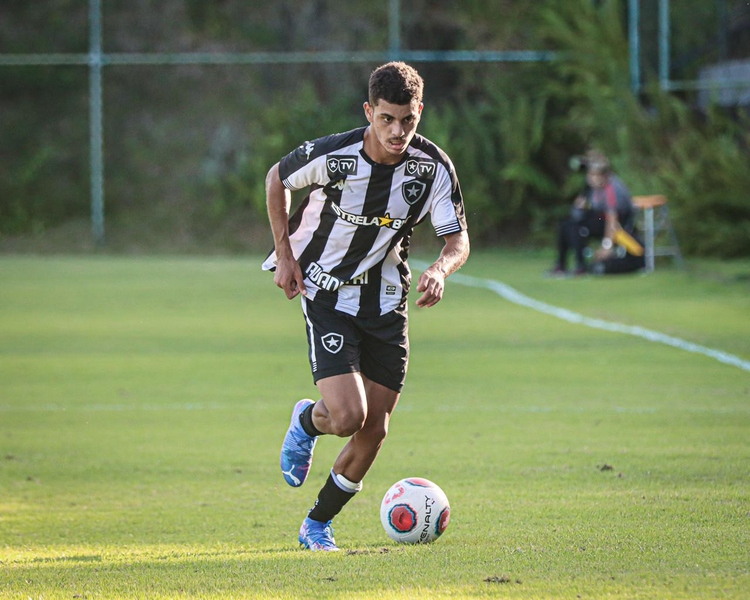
(187, 147)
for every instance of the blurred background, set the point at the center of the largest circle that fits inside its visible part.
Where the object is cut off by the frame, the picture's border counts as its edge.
(199, 98)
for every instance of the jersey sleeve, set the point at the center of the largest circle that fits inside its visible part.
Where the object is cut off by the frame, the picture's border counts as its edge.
(306, 165)
(303, 166)
(447, 212)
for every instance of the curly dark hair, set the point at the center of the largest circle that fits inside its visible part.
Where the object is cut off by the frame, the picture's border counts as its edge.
(396, 83)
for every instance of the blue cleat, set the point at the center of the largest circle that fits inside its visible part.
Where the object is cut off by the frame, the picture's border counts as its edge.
(297, 449)
(315, 535)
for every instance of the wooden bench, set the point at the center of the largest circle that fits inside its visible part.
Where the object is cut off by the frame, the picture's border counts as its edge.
(657, 228)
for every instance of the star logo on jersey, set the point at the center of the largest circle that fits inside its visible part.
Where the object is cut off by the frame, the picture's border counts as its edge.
(422, 168)
(366, 220)
(333, 342)
(340, 166)
(386, 221)
(413, 191)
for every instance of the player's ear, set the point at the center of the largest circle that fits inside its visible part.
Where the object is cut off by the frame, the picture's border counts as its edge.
(368, 111)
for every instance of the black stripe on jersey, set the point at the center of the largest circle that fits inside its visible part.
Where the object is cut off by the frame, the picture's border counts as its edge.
(296, 218)
(437, 154)
(376, 203)
(314, 250)
(431, 150)
(369, 300)
(403, 268)
(405, 273)
(294, 221)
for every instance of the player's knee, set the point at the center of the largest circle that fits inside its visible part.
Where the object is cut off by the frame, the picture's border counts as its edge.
(348, 421)
(375, 430)
(379, 431)
(346, 428)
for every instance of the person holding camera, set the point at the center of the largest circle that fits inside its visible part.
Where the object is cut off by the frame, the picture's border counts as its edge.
(600, 211)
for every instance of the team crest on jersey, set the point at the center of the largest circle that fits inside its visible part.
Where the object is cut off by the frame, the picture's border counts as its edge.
(421, 167)
(413, 191)
(340, 166)
(333, 342)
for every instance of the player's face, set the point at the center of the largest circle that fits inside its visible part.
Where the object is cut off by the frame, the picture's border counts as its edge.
(392, 128)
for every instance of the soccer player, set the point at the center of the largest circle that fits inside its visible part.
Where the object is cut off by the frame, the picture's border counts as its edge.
(344, 252)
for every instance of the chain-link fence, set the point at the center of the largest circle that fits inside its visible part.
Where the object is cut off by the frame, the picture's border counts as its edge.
(101, 64)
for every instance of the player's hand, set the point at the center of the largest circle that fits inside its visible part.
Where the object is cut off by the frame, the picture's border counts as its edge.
(288, 276)
(432, 283)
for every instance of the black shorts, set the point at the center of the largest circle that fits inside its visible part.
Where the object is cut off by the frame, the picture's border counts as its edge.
(377, 347)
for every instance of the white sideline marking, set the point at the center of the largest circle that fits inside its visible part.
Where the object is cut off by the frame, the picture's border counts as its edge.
(513, 295)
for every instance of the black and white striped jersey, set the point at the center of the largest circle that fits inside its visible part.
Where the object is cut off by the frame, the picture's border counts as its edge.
(351, 233)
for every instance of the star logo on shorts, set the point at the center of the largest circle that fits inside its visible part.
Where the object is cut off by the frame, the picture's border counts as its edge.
(333, 342)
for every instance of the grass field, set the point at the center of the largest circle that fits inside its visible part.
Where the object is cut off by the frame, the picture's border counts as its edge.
(143, 401)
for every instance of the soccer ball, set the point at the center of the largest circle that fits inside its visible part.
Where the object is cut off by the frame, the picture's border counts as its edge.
(415, 511)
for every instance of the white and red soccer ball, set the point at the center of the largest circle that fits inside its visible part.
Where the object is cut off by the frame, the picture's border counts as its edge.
(415, 511)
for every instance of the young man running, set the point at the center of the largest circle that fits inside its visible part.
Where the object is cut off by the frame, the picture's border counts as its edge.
(344, 251)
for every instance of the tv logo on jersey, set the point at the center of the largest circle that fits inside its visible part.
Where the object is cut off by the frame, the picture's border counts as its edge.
(422, 168)
(340, 166)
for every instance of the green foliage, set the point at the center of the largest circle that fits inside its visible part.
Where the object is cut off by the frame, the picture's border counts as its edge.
(495, 140)
(697, 160)
(188, 147)
(591, 74)
(707, 173)
(43, 149)
(49, 26)
(282, 124)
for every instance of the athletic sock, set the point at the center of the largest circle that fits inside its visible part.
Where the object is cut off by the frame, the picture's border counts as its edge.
(305, 419)
(332, 497)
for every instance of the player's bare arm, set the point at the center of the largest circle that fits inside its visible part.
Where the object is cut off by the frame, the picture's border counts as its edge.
(451, 259)
(611, 224)
(288, 275)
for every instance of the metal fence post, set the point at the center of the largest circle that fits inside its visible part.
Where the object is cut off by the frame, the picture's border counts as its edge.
(634, 44)
(664, 44)
(95, 121)
(394, 29)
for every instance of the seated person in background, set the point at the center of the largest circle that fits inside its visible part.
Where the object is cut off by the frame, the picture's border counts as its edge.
(603, 208)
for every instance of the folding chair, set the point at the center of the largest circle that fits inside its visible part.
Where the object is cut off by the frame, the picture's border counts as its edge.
(657, 229)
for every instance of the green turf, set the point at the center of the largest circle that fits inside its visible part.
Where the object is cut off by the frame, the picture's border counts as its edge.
(142, 403)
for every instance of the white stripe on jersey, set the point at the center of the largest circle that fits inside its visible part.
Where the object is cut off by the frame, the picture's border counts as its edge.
(348, 235)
